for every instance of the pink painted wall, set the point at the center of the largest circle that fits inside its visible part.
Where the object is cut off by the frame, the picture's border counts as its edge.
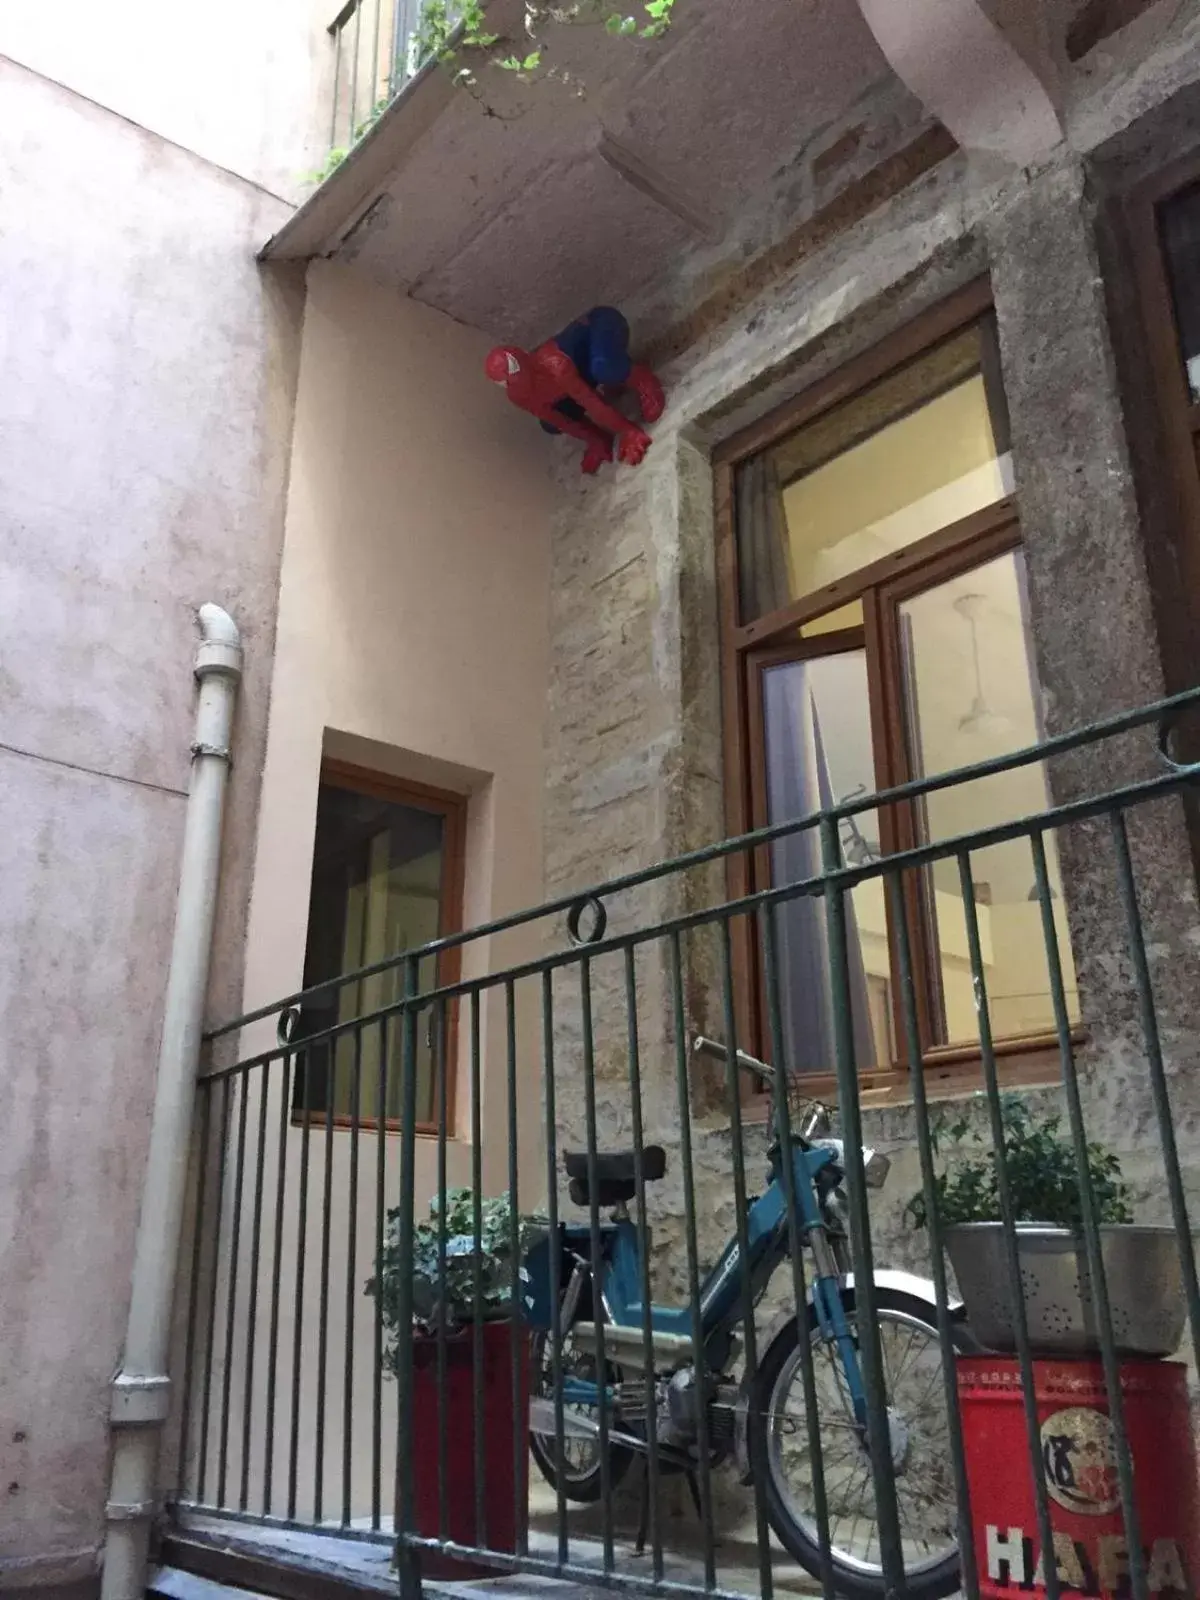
(149, 372)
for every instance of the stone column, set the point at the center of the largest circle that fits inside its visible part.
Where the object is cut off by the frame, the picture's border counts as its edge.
(1093, 624)
(634, 748)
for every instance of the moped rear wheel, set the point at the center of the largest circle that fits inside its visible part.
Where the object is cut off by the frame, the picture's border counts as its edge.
(781, 1457)
(582, 1475)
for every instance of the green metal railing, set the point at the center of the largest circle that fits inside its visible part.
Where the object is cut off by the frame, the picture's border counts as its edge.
(375, 53)
(288, 1416)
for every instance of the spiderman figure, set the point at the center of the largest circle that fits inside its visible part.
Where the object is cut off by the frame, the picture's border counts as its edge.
(569, 382)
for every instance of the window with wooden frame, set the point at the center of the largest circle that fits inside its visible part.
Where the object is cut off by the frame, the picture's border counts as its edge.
(387, 877)
(875, 630)
(1164, 229)
(1162, 226)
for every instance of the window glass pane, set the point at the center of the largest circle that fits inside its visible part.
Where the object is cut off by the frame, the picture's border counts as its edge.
(818, 751)
(972, 694)
(1180, 221)
(376, 892)
(916, 452)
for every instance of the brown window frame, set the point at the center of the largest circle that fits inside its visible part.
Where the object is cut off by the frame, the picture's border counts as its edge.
(452, 808)
(746, 648)
(1180, 415)
(1172, 549)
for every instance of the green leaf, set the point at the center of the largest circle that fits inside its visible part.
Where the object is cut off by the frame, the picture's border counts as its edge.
(1043, 1175)
(532, 61)
(458, 1266)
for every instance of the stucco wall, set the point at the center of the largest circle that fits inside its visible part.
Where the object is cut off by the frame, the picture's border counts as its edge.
(413, 606)
(412, 640)
(144, 412)
(241, 85)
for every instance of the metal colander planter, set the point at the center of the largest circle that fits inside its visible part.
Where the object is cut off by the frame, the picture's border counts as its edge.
(1141, 1267)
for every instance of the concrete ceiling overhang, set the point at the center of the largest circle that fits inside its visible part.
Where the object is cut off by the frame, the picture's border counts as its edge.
(515, 217)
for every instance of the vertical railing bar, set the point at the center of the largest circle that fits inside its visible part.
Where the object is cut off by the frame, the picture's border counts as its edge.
(1007, 1216)
(337, 74)
(210, 1340)
(683, 1090)
(916, 1069)
(252, 1308)
(301, 1252)
(796, 1240)
(516, 1266)
(235, 1247)
(733, 1090)
(323, 1301)
(354, 72)
(639, 1177)
(407, 1559)
(375, 56)
(205, 1092)
(276, 1271)
(556, 1329)
(394, 79)
(478, 1456)
(442, 1332)
(602, 1383)
(1158, 1077)
(891, 1552)
(351, 1278)
(381, 1091)
(1090, 1220)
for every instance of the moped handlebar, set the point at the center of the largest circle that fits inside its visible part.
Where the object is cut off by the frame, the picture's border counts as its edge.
(815, 1118)
(751, 1064)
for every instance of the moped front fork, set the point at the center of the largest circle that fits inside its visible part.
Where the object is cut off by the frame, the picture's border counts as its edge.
(831, 1317)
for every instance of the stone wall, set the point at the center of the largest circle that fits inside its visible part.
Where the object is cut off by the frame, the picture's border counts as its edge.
(634, 764)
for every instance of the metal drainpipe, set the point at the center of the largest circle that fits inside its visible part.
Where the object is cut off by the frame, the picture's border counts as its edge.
(141, 1389)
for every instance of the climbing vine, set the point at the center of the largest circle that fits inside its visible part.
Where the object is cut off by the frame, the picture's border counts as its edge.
(456, 34)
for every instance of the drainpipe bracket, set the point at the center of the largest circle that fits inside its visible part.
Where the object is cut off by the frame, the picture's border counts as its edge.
(221, 751)
(140, 1402)
(225, 660)
(130, 1511)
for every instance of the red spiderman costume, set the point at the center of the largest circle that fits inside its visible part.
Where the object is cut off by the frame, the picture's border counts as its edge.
(568, 383)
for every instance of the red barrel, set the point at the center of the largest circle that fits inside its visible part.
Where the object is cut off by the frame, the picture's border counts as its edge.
(1079, 1463)
(505, 1505)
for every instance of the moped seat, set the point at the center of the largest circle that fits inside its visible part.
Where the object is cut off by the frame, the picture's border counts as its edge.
(615, 1171)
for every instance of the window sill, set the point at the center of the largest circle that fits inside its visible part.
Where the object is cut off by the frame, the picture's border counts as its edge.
(950, 1074)
(317, 1122)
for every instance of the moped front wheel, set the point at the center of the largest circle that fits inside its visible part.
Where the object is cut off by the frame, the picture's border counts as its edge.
(781, 1456)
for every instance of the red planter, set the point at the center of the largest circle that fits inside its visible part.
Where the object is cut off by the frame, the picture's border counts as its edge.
(505, 1505)
(1079, 1463)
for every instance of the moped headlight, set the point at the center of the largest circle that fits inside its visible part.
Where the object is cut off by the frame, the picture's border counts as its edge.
(876, 1168)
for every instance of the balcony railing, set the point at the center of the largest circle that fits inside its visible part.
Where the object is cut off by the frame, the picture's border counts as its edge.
(375, 53)
(305, 1185)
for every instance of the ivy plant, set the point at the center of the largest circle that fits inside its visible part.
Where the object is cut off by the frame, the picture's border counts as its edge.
(456, 34)
(456, 1307)
(1042, 1176)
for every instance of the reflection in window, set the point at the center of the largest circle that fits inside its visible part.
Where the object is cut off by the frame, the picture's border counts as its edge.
(818, 752)
(971, 694)
(377, 889)
(917, 451)
(1179, 219)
